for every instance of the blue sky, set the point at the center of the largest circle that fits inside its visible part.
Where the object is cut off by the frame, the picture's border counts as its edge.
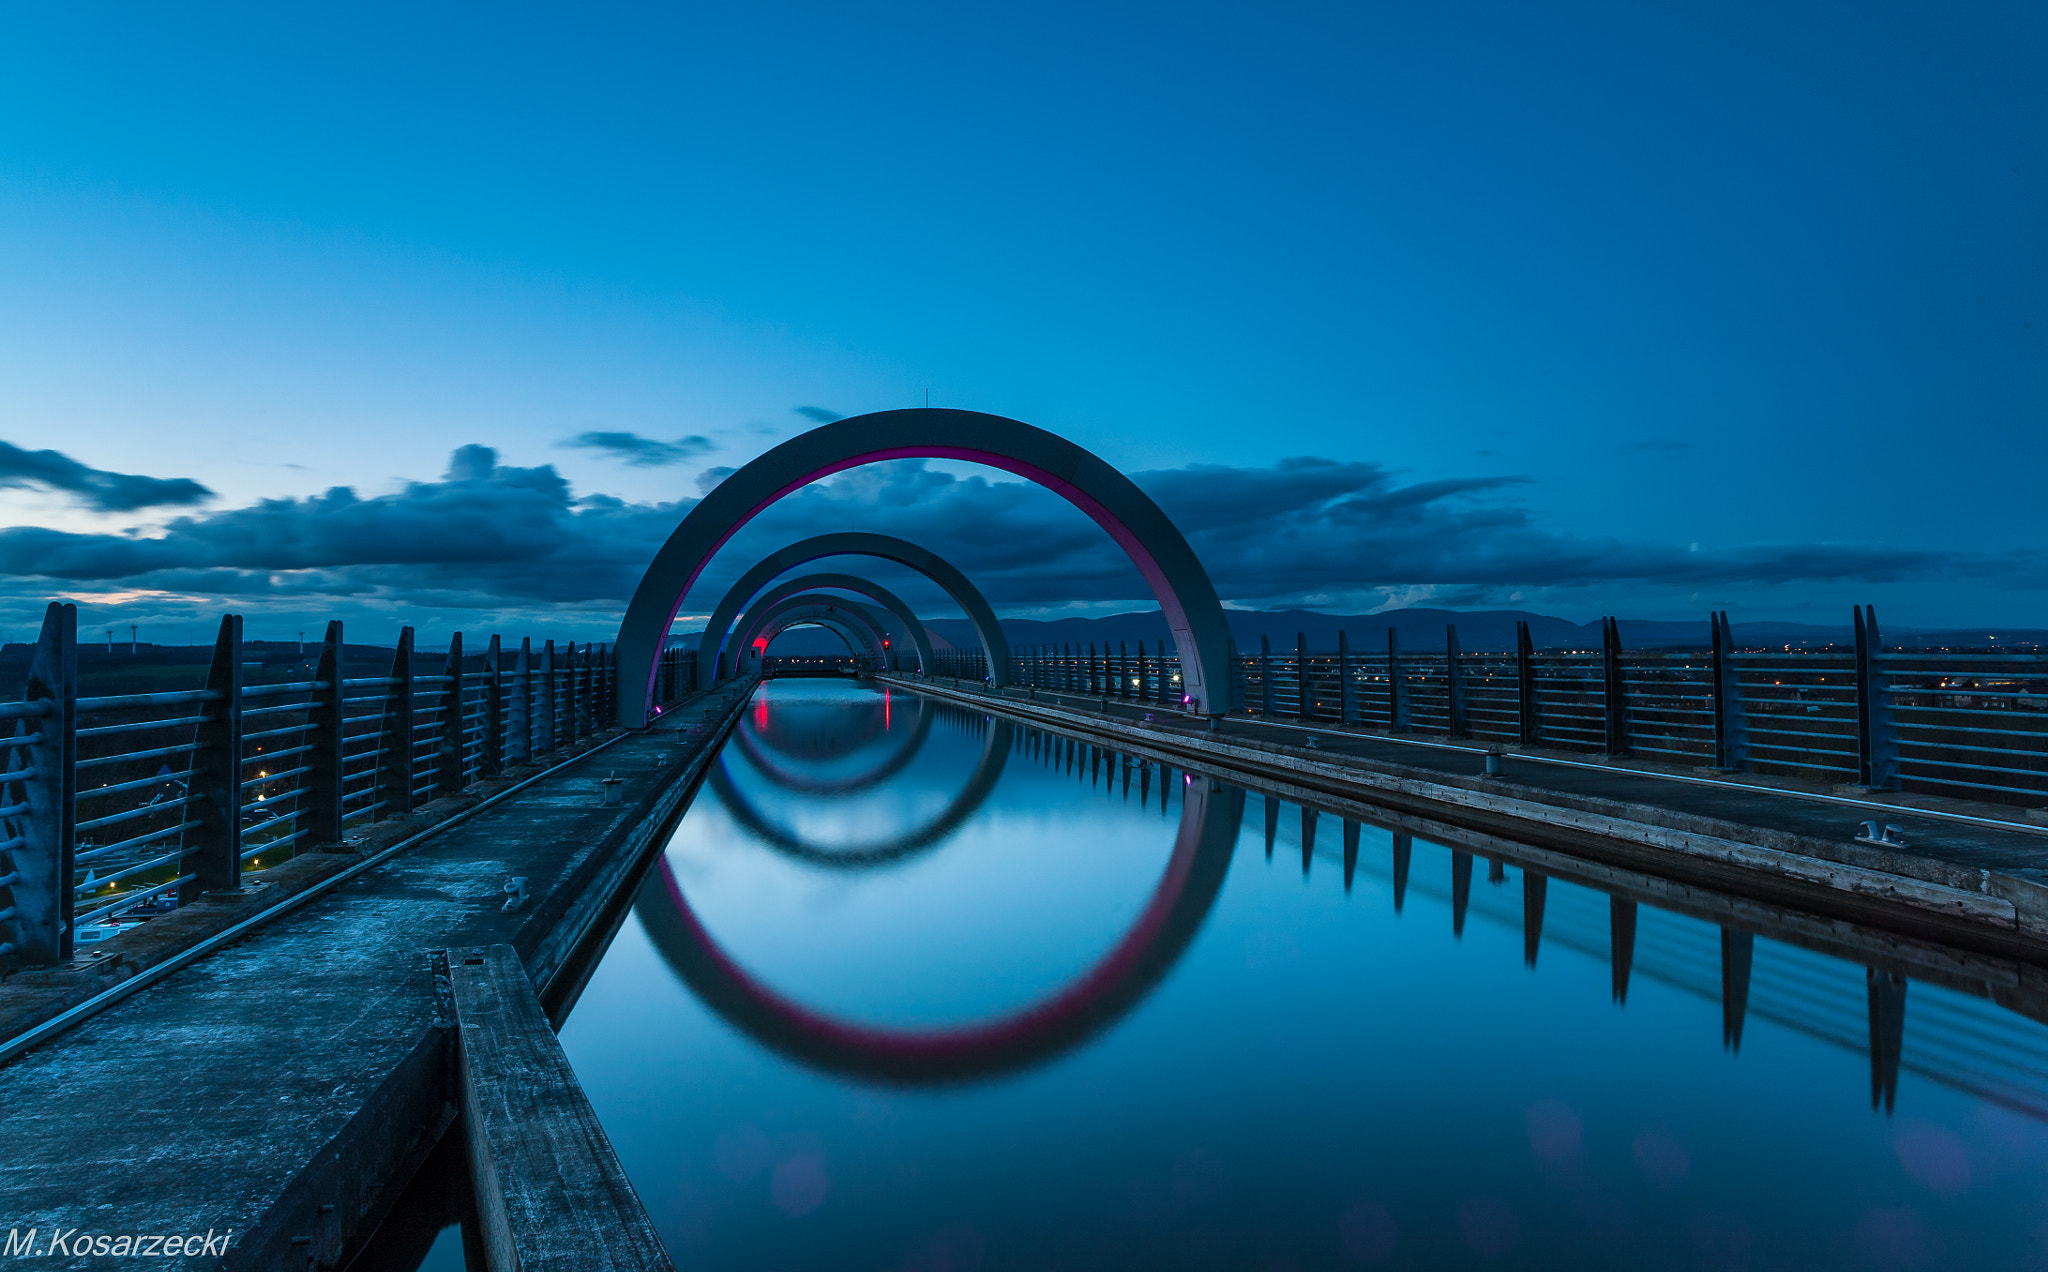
(1592, 309)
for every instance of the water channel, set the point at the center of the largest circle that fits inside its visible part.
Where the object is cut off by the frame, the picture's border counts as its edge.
(918, 989)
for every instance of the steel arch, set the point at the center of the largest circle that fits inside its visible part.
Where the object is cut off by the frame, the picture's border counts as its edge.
(1151, 540)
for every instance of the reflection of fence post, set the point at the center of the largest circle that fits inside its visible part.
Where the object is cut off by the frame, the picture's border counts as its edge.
(1397, 686)
(1525, 684)
(323, 734)
(1616, 697)
(213, 849)
(1265, 677)
(38, 796)
(1347, 693)
(1454, 685)
(1887, 992)
(1877, 741)
(396, 730)
(1731, 729)
(448, 746)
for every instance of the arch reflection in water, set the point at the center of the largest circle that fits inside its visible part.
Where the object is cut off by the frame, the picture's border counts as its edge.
(995, 752)
(1181, 899)
(1354, 1039)
(754, 742)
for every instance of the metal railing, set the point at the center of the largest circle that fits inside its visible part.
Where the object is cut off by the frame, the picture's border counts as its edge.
(1964, 724)
(134, 804)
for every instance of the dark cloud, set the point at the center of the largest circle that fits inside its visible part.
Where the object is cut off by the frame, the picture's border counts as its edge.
(818, 414)
(95, 487)
(642, 452)
(497, 539)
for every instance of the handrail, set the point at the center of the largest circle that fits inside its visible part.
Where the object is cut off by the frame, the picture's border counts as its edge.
(328, 753)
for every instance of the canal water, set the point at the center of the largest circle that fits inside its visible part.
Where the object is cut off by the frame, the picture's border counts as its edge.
(919, 990)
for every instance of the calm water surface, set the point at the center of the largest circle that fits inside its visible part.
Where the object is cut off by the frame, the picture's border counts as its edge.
(916, 989)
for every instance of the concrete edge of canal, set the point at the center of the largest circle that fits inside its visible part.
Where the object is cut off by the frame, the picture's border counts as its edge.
(558, 945)
(330, 1002)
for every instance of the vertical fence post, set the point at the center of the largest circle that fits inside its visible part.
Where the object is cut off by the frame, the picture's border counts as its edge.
(323, 733)
(1302, 708)
(448, 743)
(395, 738)
(1397, 685)
(1265, 677)
(519, 732)
(1347, 693)
(544, 727)
(213, 849)
(1616, 696)
(492, 762)
(1456, 721)
(38, 801)
(1877, 740)
(580, 677)
(1525, 684)
(1731, 728)
(572, 684)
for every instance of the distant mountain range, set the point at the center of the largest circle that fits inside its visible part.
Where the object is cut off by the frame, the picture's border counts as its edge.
(1423, 629)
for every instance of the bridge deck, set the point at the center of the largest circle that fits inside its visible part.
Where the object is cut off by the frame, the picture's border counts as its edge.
(284, 1087)
(1973, 881)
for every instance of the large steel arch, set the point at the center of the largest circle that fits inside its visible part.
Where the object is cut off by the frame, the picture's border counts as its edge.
(912, 629)
(1154, 544)
(851, 543)
(836, 612)
(808, 607)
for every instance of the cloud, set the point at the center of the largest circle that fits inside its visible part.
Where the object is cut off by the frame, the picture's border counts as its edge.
(642, 452)
(95, 487)
(818, 414)
(492, 539)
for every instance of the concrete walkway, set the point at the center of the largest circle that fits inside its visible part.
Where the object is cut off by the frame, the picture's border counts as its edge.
(283, 1089)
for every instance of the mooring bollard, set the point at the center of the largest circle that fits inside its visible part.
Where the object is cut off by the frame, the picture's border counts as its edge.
(612, 792)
